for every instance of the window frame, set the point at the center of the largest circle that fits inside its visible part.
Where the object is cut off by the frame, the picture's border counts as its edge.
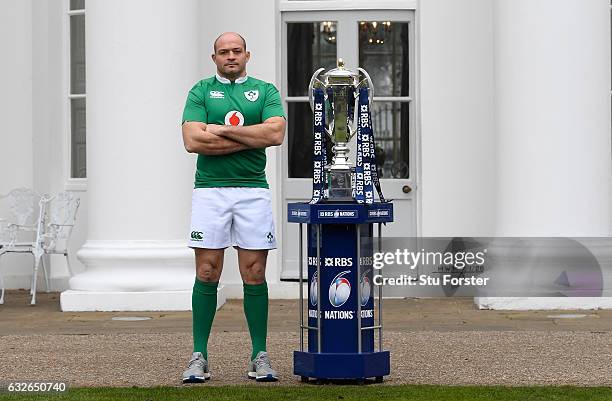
(70, 183)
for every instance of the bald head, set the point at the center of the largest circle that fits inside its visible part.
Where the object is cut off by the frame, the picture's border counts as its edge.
(231, 55)
(229, 36)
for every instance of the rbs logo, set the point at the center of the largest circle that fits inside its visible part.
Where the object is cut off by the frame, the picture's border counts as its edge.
(339, 262)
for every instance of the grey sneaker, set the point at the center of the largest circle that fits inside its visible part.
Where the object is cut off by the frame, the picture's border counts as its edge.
(197, 370)
(261, 370)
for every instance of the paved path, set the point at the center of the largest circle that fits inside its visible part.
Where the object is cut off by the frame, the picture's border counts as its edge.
(434, 341)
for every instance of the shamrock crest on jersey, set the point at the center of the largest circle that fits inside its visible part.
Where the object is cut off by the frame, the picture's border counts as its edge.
(252, 95)
(234, 118)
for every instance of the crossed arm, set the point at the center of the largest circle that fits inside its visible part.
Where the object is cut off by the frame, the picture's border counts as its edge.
(212, 139)
(197, 139)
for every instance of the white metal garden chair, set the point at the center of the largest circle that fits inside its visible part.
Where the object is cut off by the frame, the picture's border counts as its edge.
(18, 224)
(55, 225)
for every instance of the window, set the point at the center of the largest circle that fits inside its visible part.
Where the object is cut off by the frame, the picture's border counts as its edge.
(384, 53)
(383, 48)
(310, 45)
(76, 91)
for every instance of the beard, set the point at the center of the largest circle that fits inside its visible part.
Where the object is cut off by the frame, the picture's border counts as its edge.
(233, 71)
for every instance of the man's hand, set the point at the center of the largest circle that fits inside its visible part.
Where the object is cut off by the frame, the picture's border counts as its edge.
(215, 129)
(269, 133)
(197, 139)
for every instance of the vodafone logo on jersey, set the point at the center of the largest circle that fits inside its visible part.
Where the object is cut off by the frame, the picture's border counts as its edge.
(234, 118)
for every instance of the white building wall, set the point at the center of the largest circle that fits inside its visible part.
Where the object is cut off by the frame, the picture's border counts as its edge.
(458, 146)
(16, 134)
(50, 119)
(33, 121)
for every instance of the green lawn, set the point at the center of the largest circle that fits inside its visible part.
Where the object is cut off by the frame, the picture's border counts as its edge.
(327, 393)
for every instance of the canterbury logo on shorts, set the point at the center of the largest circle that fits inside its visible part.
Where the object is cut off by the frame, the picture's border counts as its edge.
(197, 235)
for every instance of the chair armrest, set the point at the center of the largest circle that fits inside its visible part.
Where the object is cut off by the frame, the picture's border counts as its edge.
(14, 226)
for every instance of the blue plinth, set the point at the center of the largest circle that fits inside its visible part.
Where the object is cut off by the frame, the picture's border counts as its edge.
(341, 366)
(340, 286)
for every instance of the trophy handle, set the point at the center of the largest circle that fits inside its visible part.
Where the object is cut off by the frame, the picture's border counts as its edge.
(312, 84)
(370, 84)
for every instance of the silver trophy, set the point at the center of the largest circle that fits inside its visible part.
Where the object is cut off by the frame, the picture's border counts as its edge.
(340, 86)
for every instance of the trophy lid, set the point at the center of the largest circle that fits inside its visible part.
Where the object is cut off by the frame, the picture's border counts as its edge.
(340, 71)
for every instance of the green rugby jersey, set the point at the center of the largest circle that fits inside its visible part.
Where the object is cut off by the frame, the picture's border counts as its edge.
(246, 101)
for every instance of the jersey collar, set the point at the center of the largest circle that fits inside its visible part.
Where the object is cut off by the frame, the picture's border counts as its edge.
(223, 80)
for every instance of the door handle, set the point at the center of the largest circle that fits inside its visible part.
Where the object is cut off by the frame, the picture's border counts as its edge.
(406, 189)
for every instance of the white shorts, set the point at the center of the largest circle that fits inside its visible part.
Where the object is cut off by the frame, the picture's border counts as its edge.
(240, 217)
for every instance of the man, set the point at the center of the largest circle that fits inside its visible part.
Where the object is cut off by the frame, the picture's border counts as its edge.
(229, 120)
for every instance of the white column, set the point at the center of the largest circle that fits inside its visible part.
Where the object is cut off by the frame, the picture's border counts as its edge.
(142, 58)
(552, 85)
(457, 159)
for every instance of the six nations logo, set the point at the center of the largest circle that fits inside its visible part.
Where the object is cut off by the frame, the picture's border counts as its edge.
(339, 290)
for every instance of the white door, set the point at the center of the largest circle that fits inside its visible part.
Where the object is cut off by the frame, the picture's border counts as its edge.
(381, 42)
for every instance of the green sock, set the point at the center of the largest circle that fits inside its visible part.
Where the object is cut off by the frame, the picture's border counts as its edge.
(204, 306)
(256, 312)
